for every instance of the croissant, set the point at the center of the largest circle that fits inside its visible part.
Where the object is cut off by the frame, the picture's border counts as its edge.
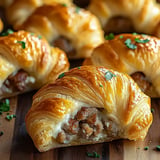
(1, 25)
(136, 55)
(142, 15)
(6, 3)
(19, 10)
(27, 62)
(74, 30)
(88, 105)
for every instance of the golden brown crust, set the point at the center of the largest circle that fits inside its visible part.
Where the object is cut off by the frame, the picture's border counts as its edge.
(79, 26)
(120, 98)
(140, 12)
(1, 25)
(19, 10)
(116, 55)
(33, 54)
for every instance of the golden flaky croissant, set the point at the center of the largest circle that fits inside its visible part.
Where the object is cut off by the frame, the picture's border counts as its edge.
(27, 62)
(88, 105)
(1, 25)
(136, 55)
(142, 15)
(70, 28)
(19, 10)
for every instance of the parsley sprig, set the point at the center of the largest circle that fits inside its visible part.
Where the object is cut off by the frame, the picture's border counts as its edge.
(9, 31)
(93, 154)
(109, 37)
(129, 44)
(109, 75)
(22, 43)
(141, 40)
(4, 106)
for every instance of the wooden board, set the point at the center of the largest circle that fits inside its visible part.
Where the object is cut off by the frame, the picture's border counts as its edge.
(15, 144)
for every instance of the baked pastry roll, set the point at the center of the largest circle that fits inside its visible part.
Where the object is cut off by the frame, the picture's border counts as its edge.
(27, 62)
(19, 10)
(6, 3)
(128, 15)
(1, 25)
(74, 30)
(136, 55)
(88, 105)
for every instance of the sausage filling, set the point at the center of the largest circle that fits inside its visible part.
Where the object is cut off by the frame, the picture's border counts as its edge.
(17, 82)
(119, 25)
(64, 44)
(88, 124)
(141, 80)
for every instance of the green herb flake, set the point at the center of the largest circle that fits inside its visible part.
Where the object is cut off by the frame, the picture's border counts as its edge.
(146, 148)
(93, 154)
(64, 5)
(109, 37)
(152, 110)
(120, 37)
(61, 75)
(158, 147)
(32, 34)
(1, 133)
(101, 85)
(141, 40)
(108, 75)
(129, 44)
(10, 117)
(77, 9)
(9, 31)
(4, 106)
(134, 33)
(79, 67)
(39, 36)
(22, 43)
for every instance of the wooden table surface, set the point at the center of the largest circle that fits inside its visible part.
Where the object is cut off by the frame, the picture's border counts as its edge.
(15, 144)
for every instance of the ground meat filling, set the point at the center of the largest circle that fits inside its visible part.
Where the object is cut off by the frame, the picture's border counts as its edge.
(64, 44)
(141, 80)
(86, 124)
(16, 82)
(119, 25)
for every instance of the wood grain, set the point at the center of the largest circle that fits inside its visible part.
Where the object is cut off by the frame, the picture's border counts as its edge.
(15, 144)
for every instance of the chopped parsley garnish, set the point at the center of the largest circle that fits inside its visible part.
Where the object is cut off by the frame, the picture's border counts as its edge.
(1, 133)
(10, 117)
(77, 9)
(146, 148)
(4, 106)
(9, 31)
(134, 33)
(101, 85)
(64, 5)
(93, 154)
(32, 34)
(39, 36)
(109, 37)
(79, 67)
(158, 147)
(152, 110)
(120, 37)
(129, 44)
(61, 75)
(109, 75)
(141, 40)
(22, 43)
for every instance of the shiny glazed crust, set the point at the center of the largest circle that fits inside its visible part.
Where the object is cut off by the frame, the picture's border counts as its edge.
(140, 12)
(1, 25)
(120, 98)
(37, 58)
(79, 26)
(19, 10)
(116, 55)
